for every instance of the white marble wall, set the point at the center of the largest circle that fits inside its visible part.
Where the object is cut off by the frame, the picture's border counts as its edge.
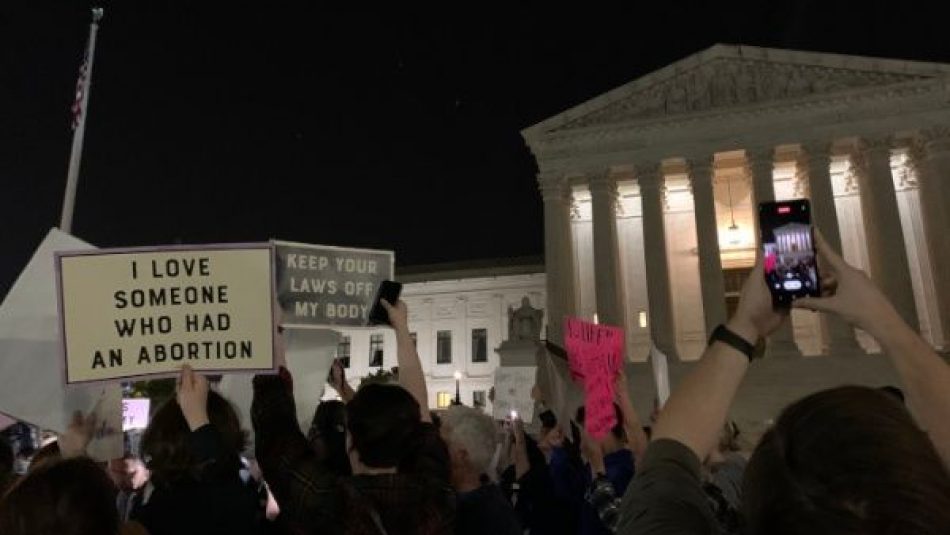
(458, 306)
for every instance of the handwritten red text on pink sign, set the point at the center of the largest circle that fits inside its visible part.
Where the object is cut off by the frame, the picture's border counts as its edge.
(595, 355)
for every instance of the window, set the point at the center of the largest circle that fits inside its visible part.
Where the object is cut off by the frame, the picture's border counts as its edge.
(443, 347)
(412, 336)
(478, 399)
(343, 351)
(443, 400)
(376, 350)
(479, 345)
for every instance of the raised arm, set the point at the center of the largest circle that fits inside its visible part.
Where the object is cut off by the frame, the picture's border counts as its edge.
(636, 437)
(925, 376)
(697, 409)
(339, 383)
(520, 449)
(411, 376)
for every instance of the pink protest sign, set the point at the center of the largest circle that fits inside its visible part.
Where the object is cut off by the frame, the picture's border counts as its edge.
(135, 413)
(595, 355)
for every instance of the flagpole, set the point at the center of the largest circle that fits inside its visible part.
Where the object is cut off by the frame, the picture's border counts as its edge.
(75, 155)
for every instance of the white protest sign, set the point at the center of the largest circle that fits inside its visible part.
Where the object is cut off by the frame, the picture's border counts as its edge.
(320, 285)
(308, 354)
(31, 384)
(135, 413)
(107, 440)
(130, 313)
(661, 374)
(513, 385)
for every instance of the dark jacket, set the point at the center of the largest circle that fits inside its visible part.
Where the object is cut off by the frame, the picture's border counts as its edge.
(217, 502)
(572, 482)
(314, 499)
(533, 495)
(485, 511)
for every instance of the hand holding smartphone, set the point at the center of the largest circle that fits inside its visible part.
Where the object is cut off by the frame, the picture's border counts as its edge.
(388, 290)
(789, 256)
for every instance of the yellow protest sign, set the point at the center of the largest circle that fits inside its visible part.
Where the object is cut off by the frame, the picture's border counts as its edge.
(128, 313)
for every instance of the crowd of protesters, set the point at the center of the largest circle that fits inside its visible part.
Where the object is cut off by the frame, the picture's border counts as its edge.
(848, 460)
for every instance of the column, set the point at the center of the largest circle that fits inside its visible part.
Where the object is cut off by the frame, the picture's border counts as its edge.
(558, 254)
(761, 167)
(608, 278)
(659, 296)
(707, 236)
(838, 335)
(887, 252)
(933, 181)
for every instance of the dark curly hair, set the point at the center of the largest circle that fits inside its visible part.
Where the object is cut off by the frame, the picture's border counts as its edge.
(165, 448)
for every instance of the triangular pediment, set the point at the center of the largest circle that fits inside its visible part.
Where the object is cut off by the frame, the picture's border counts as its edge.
(732, 76)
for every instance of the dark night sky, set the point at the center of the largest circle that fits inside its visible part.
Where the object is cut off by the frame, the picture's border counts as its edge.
(211, 122)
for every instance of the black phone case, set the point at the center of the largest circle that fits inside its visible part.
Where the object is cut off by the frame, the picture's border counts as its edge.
(389, 291)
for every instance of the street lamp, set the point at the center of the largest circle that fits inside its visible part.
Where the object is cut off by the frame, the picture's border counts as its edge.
(458, 391)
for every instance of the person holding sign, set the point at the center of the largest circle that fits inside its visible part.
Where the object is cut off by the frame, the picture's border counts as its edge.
(192, 447)
(400, 482)
(845, 460)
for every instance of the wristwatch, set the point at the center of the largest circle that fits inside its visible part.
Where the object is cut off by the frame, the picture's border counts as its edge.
(740, 344)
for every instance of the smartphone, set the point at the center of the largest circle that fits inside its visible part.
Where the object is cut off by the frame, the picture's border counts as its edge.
(388, 290)
(788, 251)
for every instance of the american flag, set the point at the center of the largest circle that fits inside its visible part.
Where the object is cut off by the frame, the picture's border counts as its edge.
(80, 89)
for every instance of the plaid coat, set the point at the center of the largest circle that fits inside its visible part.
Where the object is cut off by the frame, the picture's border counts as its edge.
(313, 499)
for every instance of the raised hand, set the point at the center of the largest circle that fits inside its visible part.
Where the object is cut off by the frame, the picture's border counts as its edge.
(848, 292)
(78, 435)
(337, 375)
(398, 314)
(192, 397)
(755, 317)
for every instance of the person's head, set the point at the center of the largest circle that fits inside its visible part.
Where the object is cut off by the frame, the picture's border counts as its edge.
(165, 446)
(550, 435)
(846, 460)
(63, 497)
(471, 438)
(328, 435)
(617, 436)
(382, 423)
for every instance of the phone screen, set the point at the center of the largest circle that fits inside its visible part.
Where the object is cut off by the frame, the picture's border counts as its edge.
(788, 250)
(388, 290)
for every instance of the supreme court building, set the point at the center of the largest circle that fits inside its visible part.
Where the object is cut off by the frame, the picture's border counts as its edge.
(650, 192)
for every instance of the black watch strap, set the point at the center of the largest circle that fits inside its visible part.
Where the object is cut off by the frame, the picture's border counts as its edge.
(740, 344)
